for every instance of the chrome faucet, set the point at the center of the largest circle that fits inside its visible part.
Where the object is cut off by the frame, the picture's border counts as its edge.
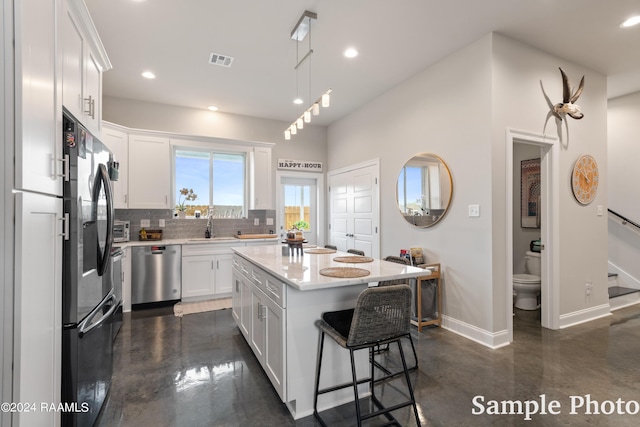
(207, 232)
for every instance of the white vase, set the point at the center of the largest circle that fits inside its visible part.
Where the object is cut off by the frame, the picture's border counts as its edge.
(182, 214)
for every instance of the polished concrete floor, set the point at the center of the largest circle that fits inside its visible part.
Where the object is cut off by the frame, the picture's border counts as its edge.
(199, 371)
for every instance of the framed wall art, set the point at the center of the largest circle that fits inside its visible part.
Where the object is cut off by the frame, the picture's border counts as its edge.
(530, 193)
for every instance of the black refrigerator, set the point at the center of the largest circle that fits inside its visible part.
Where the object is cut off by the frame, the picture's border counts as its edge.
(88, 298)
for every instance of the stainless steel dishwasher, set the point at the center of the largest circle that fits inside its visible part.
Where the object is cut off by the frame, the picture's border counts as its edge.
(155, 273)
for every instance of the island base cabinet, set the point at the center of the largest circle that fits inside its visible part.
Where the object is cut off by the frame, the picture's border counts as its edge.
(268, 336)
(262, 322)
(241, 304)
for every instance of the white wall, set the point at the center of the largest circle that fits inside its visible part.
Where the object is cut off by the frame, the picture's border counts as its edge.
(308, 144)
(460, 109)
(624, 152)
(444, 110)
(518, 102)
(624, 176)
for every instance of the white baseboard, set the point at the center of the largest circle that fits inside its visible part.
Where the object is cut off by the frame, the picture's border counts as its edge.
(586, 315)
(489, 339)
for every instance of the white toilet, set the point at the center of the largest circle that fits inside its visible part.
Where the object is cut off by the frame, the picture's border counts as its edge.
(526, 287)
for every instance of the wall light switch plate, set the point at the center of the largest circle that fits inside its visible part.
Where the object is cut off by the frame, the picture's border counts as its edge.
(161, 223)
(145, 223)
(600, 210)
(256, 221)
(474, 210)
(269, 221)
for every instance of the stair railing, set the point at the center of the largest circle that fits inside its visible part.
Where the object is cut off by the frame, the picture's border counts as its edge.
(625, 221)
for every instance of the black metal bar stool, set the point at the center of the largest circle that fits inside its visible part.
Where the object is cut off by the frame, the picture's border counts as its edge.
(382, 315)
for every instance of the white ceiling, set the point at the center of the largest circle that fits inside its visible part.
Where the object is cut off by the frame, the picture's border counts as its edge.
(396, 39)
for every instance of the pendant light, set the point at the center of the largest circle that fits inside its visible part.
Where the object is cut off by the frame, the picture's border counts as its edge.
(299, 33)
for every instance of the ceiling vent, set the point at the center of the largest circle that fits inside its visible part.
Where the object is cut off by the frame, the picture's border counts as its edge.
(222, 60)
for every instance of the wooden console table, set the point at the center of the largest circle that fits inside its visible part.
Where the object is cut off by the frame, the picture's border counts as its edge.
(435, 275)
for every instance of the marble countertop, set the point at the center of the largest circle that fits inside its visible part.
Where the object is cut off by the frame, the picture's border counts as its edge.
(303, 271)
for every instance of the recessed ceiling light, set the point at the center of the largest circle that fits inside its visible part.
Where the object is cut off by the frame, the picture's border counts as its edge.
(212, 108)
(351, 53)
(634, 20)
(298, 101)
(148, 75)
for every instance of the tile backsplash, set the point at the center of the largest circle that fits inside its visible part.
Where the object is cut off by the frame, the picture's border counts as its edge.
(191, 228)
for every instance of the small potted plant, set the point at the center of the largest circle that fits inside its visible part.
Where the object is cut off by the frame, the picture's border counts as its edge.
(186, 194)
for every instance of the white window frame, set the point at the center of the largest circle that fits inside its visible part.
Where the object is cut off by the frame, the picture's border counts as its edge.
(212, 147)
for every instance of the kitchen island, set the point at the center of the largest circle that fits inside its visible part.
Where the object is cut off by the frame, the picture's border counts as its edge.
(277, 297)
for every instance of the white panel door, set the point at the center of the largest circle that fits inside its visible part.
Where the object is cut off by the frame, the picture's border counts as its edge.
(340, 214)
(354, 210)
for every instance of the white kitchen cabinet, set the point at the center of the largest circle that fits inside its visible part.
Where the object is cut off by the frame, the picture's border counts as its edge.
(206, 271)
(262, 184)
(273, 324)
(83, 62)
(224, 273)
(117, 141)
(38, 114)
(259, 302)
(149, 172)
(38, 302)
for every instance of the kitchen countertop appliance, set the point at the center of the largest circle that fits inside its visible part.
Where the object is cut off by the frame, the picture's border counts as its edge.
(155, 274)
(121, 231)
(88, 298)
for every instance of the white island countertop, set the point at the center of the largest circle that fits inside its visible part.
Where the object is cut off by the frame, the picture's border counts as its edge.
(303, 271)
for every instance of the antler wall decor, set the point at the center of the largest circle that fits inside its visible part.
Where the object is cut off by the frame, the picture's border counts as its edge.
(567, 105)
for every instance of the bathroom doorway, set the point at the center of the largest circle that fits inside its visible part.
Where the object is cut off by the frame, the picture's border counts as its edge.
(524, 217)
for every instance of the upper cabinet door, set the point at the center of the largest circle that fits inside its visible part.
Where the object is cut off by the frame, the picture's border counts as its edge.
(149, 172)
(118, 142)
(72, 64)
(92, 93)
(83, 61)
(38, 134)
(261, 185)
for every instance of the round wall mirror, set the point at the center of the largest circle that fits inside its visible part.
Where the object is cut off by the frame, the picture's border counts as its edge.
(424, 190)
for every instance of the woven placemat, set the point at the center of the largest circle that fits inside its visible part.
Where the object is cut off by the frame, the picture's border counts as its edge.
(320, 251)
(344, 272)
(353, 259)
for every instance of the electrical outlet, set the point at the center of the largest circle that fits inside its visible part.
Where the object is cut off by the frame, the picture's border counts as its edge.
(161, 223)
(588, 288)
(269, 221)
(474, 210)
(145, 223)
(256, 221)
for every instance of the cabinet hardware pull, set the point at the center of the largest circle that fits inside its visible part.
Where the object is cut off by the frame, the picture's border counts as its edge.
(91, 111)
(65, 167)
(65, 226)
(212, 264)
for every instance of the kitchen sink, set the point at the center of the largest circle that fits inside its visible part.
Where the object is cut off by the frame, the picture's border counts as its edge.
(256, 236)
